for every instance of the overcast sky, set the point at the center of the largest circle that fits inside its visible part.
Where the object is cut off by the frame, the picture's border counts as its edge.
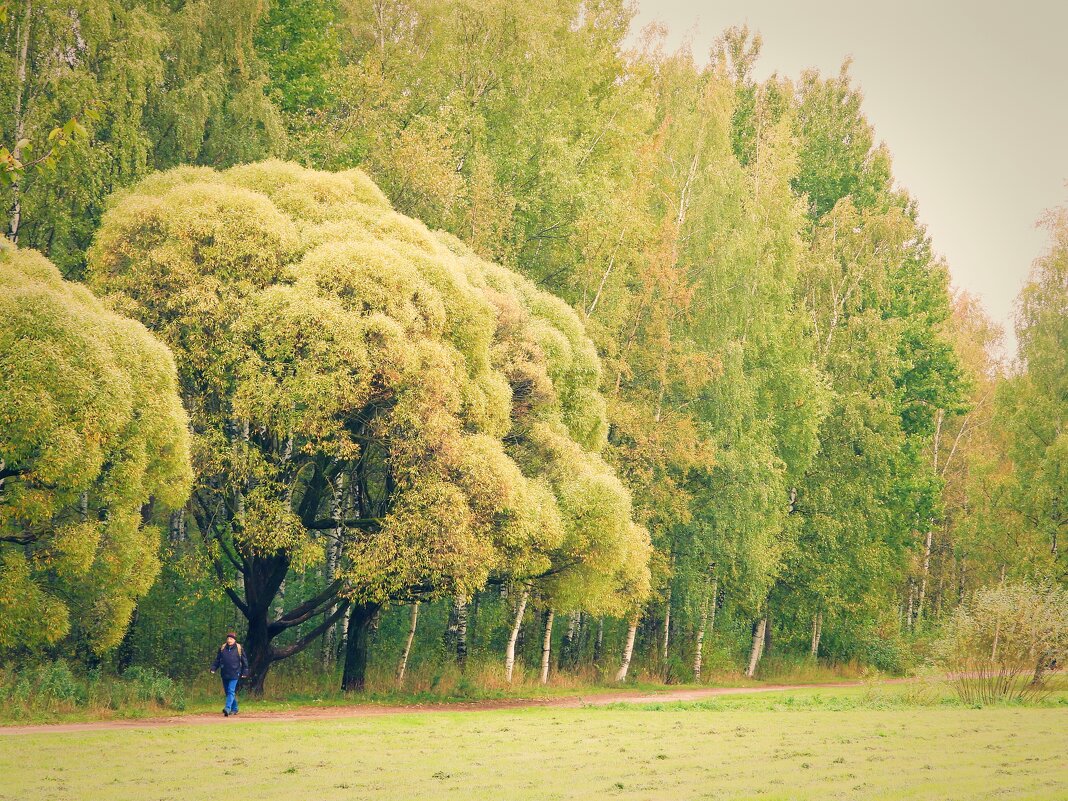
(970, 97)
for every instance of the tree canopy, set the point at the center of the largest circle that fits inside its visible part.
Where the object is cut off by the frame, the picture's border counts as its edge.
(348, 371)
(94, 448)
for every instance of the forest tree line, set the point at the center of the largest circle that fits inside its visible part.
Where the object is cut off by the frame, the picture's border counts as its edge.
(759, 418)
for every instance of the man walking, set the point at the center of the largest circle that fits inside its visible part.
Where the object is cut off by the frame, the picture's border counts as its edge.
(232, 665)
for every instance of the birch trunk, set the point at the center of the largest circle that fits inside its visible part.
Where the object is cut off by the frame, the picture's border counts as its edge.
(20, 116)
(403, 667)
(628, 650)
(923, 576)
(758, 647)
(461, 632)
(700, 642)
(570, 643)
(667, 627)
(509, 654)
(332, 553)
(546, 646)
(817, 632)
(598, 643)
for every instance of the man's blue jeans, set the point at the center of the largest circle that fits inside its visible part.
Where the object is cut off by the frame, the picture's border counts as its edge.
(230, 685)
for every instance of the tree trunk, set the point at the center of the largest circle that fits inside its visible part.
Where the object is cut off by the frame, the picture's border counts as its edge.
(628, 650)
(546, 646)
(461, 632)
(598, 643)
(570, 644)
(354, 677)
(912, 605)
(262, 578)
(667, 628)
(758, 646)
(923, 575)
(333, 554)
(20, 116)
(408, 645)
(509, 654)
(817, 632)
(699, 643)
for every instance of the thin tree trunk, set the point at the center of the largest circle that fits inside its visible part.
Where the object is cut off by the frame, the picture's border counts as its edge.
(758, 647)
(700, 641)
(461, 632)
(403, 667)
(598, 643)
(333, 553)
(926, 570)
(912, 605)
(280, 600)
(546, 646)
(817, 632)
(667, 627)
(568, 646)
(509, 653)
(628, 650)
(20, 116)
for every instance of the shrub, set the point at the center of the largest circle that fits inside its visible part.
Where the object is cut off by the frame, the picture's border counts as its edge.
(1000, 644)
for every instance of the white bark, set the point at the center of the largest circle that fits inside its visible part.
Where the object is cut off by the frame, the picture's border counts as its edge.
(509, 654)
(926, 572)
(698, 651)
(546, 647)
(758, 647)
(817, 632)
(403, 667)
(628, 651)
(333, 552)
(461, 631)
(20, 116)
(667, 626)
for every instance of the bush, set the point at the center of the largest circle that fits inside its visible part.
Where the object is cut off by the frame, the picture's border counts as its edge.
(1001, 643)
(52, 687)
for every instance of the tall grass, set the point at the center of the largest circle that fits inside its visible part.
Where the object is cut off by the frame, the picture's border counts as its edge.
(53, 688)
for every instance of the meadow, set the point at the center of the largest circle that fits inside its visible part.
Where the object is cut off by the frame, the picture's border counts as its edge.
(860, 744)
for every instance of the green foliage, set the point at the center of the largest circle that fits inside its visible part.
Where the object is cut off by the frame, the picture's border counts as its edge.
(299, 46)
(52, 687)
(324, 340)
(1001, 642)
(93, 443)
(1034, 403)
(110, 90)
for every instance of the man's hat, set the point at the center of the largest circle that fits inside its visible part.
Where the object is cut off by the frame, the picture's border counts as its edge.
(230, 634)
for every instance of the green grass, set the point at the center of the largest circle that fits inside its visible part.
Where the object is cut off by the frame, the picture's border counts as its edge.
(815, 744)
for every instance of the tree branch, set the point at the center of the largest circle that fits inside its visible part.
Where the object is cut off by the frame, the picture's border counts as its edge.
(309, 609)
(311, 636)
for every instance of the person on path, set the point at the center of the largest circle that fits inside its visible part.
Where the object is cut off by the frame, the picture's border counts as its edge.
(232, 665)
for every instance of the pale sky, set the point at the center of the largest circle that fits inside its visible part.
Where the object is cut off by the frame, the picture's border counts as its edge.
(970, 97)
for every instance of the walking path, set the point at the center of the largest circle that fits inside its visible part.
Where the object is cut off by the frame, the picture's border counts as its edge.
(375, 710)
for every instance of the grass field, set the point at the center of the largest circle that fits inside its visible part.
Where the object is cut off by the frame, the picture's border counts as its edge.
(819, 744)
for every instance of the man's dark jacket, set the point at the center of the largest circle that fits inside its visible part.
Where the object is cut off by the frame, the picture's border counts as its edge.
(231, 662)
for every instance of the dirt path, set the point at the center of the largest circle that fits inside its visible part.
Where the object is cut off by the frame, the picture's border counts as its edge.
(375, 710)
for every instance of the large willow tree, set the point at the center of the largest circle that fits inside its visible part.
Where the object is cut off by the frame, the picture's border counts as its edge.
(366, 391)
(93, 446)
